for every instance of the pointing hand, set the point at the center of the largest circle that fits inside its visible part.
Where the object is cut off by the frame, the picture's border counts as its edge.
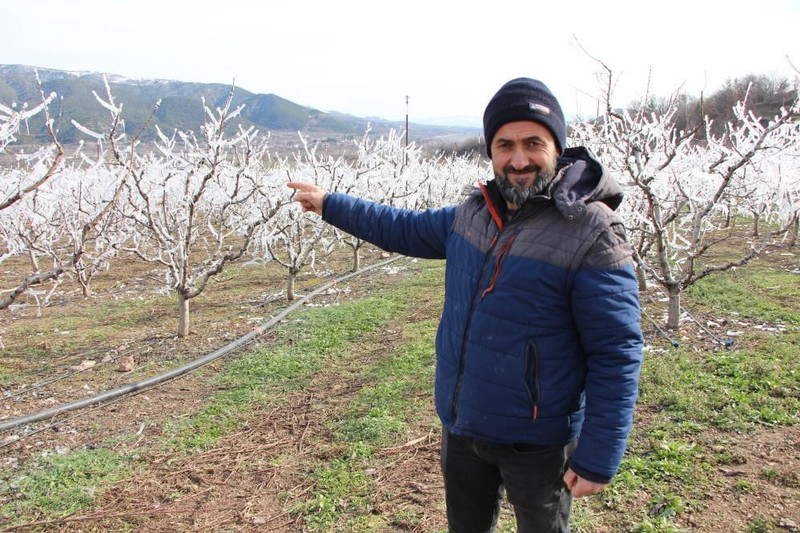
(307, 195)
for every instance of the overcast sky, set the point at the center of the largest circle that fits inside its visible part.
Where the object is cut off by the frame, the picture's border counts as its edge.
(449, 57)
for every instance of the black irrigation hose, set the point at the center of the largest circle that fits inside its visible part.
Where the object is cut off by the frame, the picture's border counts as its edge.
(193, 365)
(661, 330)
(727, 343)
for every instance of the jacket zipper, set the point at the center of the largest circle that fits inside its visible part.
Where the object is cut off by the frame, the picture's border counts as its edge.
(498, 263)
(499, 224)
(476, 299)
(532, 367)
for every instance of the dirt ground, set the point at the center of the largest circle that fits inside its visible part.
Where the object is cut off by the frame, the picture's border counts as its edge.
(217, 490)
(250, 479)
(778, 500)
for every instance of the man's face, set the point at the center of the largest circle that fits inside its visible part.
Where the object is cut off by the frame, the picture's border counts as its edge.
(524, 160)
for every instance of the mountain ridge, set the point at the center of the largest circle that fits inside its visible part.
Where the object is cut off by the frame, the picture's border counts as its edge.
(180, 107)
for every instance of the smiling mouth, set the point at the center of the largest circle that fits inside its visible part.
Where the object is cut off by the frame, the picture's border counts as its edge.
(523, 178)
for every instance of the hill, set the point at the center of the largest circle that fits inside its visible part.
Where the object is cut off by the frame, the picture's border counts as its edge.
(181, 107)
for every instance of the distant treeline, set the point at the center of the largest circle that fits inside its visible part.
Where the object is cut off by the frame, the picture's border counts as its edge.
(767, 95)
(765, 98)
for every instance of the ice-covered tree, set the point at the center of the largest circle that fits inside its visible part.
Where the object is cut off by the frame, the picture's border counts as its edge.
(197, 201)
(386, 170)
(678, 187)
(37, 168)
(295, 240)
(63, 221)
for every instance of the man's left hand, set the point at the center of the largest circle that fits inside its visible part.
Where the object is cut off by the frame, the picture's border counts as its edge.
(579, 486)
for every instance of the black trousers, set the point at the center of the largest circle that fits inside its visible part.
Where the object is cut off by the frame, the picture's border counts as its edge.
(477, 473)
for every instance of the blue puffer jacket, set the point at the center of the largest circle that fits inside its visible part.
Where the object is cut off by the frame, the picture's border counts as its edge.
(540, 340)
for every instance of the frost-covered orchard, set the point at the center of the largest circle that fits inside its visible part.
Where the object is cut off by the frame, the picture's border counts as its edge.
(189, 202)
(192, 203)
(684, 189)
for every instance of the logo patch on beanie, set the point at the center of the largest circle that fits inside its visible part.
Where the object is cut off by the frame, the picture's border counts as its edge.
(543, 109)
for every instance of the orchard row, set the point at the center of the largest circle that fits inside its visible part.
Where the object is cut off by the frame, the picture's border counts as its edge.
(194, 202)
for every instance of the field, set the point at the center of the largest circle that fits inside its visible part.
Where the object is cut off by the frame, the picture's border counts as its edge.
(326, 422)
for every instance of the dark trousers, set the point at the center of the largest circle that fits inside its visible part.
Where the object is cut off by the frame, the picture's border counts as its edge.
(477, 473)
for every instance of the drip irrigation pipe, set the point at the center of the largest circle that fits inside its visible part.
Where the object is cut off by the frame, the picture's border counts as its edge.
(193, 365)
(727, 343)
(672, 341)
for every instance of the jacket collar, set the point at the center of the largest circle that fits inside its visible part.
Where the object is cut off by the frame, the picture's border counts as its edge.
(580, 179)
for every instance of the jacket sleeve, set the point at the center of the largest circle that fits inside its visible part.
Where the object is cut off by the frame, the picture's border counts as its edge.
(408, 232)
(606, 310)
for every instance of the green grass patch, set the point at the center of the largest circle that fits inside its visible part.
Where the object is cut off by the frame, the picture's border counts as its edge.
(760, 524)
(85, 331)
(59, 485)
(758, 292)
(379, 414)
(732, 390)
(341, 490)
(687, 393)
(318, 336)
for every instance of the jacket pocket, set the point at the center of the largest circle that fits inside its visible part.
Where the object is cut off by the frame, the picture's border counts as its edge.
(532, 378)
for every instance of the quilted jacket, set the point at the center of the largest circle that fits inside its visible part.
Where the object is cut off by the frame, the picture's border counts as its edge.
(539, 340)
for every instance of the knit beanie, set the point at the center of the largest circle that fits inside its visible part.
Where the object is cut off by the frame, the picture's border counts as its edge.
(524, 99)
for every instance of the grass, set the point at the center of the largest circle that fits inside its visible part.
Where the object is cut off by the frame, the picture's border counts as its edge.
(378, 416)
(323, 336)
(60, 485)
(759, 292)
(732, 390)
(134, 313)
(402, 386)
(691, 399)
(303, 347)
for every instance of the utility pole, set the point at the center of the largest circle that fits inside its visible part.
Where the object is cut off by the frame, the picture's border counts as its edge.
(406, 121)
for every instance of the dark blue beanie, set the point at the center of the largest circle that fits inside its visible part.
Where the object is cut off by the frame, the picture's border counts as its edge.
(524, 99)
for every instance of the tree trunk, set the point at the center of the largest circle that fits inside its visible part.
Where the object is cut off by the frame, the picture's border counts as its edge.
(87, 291)
(34, 261)
(83, 278)
(794, 231)
(674, 315)
(290, 296)
(756, 221)
(183, 316)
(641, 277)
(356, 258)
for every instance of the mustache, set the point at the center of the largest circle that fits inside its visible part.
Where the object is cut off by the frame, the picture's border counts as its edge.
(509, 170)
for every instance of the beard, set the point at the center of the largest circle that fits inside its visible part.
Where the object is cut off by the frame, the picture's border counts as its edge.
(518, 195)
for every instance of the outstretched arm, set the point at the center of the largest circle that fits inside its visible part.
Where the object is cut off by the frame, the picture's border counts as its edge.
(405, 231)
(308, 195)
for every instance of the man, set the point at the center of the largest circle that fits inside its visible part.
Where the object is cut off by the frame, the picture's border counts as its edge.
(539, 346)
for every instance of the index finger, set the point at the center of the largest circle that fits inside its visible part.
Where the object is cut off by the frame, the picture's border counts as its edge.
(300, 186)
